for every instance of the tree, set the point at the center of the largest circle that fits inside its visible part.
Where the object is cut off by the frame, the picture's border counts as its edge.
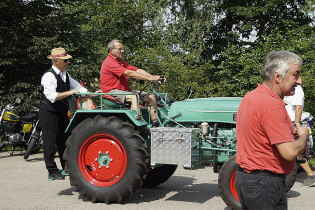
(214, 46)
(26, 35)
(246, 23)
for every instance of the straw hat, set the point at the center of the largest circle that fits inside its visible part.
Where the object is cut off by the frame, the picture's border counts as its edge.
(59, 53)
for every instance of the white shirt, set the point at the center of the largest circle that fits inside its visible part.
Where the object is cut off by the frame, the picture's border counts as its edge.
(292, 101)
(49, 82)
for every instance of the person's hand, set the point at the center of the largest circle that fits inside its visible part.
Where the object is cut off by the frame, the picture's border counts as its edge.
(301, 131)
(156, 78)
(159, 79)
(162, 79)
(74, 91)
(98, 91)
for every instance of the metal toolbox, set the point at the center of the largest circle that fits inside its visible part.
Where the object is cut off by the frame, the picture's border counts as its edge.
(178, 146)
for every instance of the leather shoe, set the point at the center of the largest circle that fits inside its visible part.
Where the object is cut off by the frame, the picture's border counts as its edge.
(55, 176)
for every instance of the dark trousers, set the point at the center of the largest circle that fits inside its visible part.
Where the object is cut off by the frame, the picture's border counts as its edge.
(261, 190)
(53, 127)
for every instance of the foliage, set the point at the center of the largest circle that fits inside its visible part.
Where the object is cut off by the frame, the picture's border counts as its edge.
(216, 47)
(26, 34)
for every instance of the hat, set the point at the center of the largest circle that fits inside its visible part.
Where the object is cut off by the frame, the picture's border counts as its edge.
(59, 53)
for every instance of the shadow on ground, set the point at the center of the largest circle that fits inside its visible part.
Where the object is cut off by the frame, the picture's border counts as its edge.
(184, 190)
(7, 154)
(30, 159)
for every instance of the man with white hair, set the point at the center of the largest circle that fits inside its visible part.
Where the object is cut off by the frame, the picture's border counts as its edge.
(115, 74)
(267, 144)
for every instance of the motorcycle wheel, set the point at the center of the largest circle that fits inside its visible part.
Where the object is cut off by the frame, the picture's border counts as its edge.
(33, 146)
(1, 146)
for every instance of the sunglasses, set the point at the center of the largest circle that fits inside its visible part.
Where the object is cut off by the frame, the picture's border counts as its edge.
(66, 60)
(119, 48)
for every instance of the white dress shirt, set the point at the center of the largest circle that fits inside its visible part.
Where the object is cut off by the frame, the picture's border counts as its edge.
(292, 101)
(49, 83)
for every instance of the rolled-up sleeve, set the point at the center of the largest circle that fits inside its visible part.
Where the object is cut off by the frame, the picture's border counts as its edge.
(76, 85)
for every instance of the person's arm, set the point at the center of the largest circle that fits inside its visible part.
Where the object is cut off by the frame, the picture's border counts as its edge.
(297, 101)
(75, 85)
(63, 95)
(140, 76)
(298, 114)
(141, 71)
(49, 83)
(290, 150)
(278, 127)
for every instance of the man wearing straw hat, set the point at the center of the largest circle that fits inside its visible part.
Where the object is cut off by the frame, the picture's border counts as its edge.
(57, 85)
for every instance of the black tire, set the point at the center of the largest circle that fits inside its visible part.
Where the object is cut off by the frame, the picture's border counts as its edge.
(216, 164)
(290, 179)
(226, 184)
(34, 145)
(107, 159)
(1, 146)
(159, 175)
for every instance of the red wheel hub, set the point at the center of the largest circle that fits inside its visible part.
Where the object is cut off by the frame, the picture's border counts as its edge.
(102, 160)
(233, 186)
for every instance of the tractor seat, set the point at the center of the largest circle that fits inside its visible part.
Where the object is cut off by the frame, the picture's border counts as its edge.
(112, 102)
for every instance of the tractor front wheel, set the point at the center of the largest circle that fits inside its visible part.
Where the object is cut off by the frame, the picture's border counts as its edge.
(106, 158)
(159, 175)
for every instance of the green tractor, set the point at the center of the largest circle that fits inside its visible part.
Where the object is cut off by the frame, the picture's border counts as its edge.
(113, 151)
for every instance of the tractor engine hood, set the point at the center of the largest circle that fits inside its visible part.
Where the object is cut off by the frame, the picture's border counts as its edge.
(216, 109)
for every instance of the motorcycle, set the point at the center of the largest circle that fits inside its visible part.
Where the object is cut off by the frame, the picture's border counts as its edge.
(20, 131)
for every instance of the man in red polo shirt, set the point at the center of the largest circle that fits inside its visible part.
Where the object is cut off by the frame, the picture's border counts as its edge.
(267, 143)
(114, 79)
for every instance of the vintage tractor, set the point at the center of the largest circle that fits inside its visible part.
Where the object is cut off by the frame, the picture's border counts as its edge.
(113, 151)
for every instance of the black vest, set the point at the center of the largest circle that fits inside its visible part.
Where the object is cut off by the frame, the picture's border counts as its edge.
(61, 106)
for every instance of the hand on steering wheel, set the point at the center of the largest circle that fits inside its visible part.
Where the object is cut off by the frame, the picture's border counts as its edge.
(162, 79)
(159, 79)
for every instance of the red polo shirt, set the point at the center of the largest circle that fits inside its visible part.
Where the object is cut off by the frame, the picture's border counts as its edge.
(112, 74)
(262, 122)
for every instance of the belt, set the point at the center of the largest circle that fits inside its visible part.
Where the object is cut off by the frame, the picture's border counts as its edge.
(260, 172)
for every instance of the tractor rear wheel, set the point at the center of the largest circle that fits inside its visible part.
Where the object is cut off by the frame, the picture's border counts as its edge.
(227, 183)
(106, 158)
(290, 179)
(159, 175)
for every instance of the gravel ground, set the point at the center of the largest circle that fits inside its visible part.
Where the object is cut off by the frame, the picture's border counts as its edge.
(24, 185)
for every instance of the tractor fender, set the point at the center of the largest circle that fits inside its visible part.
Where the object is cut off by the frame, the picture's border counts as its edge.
(129, 115)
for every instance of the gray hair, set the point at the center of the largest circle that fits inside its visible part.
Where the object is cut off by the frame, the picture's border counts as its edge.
(111, 44)
(279, 61)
